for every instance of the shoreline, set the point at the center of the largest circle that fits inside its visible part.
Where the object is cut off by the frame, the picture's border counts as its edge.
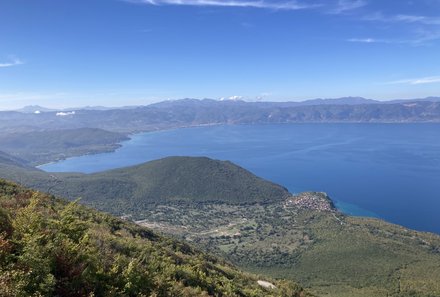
(120, 144)
(129, 135)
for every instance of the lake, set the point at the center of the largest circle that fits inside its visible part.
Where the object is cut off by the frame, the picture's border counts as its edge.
(391, 171)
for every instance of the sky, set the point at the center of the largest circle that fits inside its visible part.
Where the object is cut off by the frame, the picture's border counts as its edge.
(71, 53)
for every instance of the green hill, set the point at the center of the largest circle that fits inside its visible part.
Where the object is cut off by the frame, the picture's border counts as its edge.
(49, 247)
(176, 179)
(195, 179)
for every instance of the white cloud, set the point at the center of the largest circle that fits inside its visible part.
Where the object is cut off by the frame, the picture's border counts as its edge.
(278, 5)
(418, 81)
(344, 6)
(403, 18)
(420, 38)
(387, 41)
(417, 19)
(235, 97)
(364, 40)
(63, 114)
(12, 62)
(424, 29)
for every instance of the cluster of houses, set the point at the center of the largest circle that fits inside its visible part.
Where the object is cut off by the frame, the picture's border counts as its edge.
(311, 200)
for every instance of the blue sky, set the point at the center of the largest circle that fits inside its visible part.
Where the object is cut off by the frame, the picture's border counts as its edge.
(61, 53)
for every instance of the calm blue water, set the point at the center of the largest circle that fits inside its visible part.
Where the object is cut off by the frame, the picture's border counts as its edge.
(390, 171)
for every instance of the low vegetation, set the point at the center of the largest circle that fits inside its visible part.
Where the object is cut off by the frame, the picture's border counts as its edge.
(329, 253)
(49, 247)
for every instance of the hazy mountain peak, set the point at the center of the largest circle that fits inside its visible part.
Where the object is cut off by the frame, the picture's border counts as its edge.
(34, 109)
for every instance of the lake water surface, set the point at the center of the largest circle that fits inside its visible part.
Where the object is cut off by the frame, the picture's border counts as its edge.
(391, 171)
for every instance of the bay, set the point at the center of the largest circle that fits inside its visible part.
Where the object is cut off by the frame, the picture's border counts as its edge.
(391, 171)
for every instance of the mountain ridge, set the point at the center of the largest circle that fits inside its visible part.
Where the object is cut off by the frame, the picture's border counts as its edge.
(192, 112)
(350, 100)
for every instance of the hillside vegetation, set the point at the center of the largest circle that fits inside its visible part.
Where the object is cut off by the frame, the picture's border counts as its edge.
(258, 225)
(49, 247)
(303, 238)
(177, 179)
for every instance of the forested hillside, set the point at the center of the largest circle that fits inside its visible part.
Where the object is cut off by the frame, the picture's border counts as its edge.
(173, 179)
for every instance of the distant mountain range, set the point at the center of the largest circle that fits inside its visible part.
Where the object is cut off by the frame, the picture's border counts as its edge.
(38, 109)
(193, 112)
(318, 101)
